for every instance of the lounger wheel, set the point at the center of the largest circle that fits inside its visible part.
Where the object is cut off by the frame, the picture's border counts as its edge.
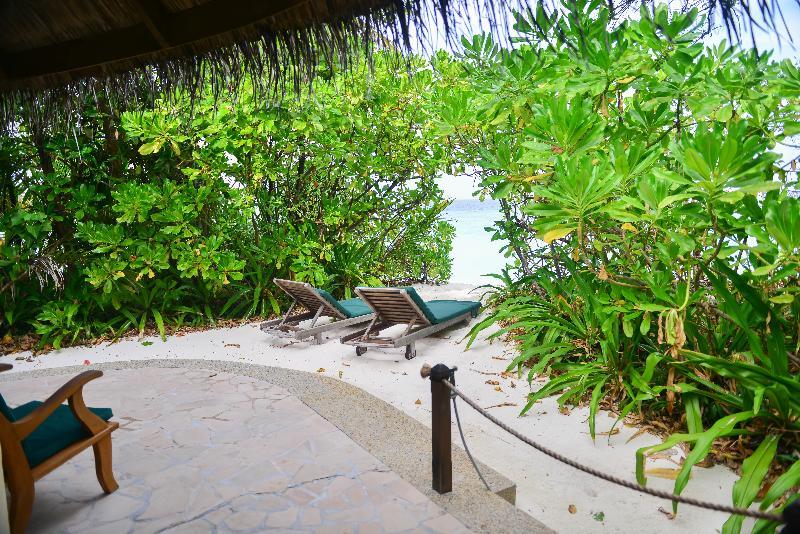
(411, 352)
(360, 350)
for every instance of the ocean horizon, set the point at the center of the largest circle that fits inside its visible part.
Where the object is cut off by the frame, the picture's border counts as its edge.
(474, 253)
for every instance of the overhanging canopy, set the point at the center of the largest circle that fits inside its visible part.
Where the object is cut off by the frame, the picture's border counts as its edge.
(53, 53)
(48, 43)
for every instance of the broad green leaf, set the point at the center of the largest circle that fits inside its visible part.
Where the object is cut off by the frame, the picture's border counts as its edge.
(556, 233)
(702, 445)
(160, 324)
(788, 480)
(754, 468)
(597, 393)
(765, 269)
(644, 326)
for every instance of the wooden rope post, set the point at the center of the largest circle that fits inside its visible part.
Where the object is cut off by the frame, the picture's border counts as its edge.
(441, 437)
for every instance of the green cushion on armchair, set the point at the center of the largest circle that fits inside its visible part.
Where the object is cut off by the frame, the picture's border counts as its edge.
(60, 430)
(5, 410)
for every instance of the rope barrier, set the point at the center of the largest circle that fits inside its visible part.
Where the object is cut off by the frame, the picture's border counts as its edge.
(464, 441)
(755, 514)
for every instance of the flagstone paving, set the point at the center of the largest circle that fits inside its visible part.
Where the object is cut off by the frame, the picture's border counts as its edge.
(207, 451)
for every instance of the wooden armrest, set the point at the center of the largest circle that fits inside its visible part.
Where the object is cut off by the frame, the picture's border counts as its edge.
(5, 367)
(72, 391)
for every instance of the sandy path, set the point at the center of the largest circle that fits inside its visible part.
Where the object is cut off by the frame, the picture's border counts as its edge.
(546, 488)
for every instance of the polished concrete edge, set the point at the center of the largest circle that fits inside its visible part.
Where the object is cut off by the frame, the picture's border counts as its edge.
(396, 439)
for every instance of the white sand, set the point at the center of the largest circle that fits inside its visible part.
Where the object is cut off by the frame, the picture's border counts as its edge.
(546, 488)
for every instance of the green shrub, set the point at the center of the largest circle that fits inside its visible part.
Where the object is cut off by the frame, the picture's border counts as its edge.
(655, 240)
(183, 213)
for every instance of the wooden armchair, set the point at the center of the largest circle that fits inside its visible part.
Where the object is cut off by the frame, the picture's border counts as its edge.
(37, 437)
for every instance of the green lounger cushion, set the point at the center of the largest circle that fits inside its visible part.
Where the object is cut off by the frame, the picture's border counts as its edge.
(60, 430)
(439, 311)
(444, 310)
(5, 410)
(355, 307)
(350, 307)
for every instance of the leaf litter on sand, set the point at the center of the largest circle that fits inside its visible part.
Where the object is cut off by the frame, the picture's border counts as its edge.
(667, 513)
(485, 372)
(664, 472)
(501, 405)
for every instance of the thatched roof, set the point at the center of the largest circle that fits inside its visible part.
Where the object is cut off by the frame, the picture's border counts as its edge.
(55, 52)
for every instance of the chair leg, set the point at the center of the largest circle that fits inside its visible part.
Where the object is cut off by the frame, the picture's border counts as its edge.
(20, 506)
(102, 465)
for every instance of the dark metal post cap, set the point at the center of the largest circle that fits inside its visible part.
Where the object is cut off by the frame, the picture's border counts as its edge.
(791, 515)
(440, 372)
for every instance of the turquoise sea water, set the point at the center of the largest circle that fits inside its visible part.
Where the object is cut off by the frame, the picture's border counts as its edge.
(474, 253)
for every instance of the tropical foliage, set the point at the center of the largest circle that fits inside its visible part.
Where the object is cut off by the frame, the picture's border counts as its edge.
(182, 214)
(651, 226)
(653, 235)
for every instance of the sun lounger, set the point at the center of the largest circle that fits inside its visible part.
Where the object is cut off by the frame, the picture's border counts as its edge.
(402, 305)
(319, 303)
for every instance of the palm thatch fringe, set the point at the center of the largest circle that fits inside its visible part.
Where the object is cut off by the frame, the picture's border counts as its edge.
(271, 60)
(275, 53)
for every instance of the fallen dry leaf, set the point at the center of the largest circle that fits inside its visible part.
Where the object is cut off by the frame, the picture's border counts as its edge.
(498, 388)
(499, 358)
(346, 364)
(321, 370)
(233, 345)
(485, 372)
(493, 382)
(609, 433)
(572, 508)
(664, 455)
(667, 513)
(501, 405)
(663, 472)
(417, 401)
(637, 434)
(513, 385)
(564, 410)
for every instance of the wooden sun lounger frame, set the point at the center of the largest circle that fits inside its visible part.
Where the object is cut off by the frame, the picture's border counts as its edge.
(304, 294)
(395, 306)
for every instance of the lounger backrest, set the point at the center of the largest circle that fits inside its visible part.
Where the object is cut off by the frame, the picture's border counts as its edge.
(305, 295)
(393, 305)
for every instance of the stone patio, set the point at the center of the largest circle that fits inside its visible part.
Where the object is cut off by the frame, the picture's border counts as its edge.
(209, 451)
